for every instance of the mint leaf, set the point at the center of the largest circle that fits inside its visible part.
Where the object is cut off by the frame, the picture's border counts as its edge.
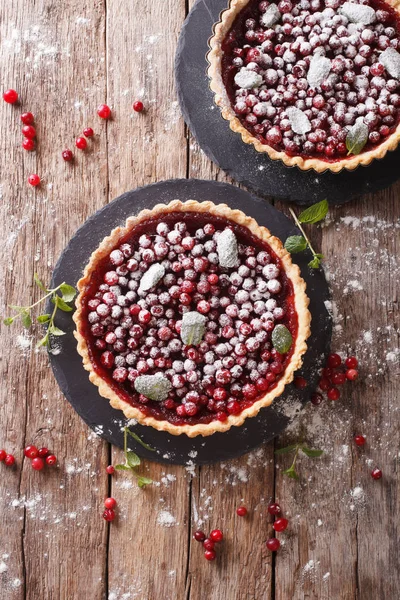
(155, 387)
(43, 342)
(291, 472)
(314, 213)
(315, 263)
(287, 449)
(39, 283)
(295, 243)
(8, 321)
(68, 292)
(143, 481)
(311, 452)
(139, 440)
(61, 304)
(122, 468)
(44, 318)
(26, 319)
(193, 328)
(357, 137)
(281, 339)
(55, 330)
(132, 459)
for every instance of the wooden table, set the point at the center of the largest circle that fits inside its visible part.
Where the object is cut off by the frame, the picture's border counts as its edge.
(65, 58)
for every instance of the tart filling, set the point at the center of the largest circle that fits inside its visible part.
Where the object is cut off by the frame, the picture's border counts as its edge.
(314, 83)
(182, 313)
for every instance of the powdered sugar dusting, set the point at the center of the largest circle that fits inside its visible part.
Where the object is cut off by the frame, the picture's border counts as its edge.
(358, 13)
(299, 122)
(319, 69)
(166, 519)
(390, 59)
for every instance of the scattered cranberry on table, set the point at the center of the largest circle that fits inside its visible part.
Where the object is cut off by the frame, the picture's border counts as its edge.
(10, 96)
(333, 393)
(351, 362)
(43, 452)
(274, 508)
(81, 143)
(3, 454)
(34, 180)
(28, 144)
(67, 155)
(27, 118)
(300, 383)
(110, 503)
(51, 460)
(9, 460)
(351, 374)
(208, 544)
(29, 132)
(316, 399)
(88, 132)
(280, 524)
(376, 474)
(359, 440)
(37, 463)
(216, 535)
(273, 544)
(104, 111)
(241, 511)
(110, 470)
(138, 106)
(199, 536)
(109, 514)
(210, 555)
(31, 452)
(334, 361)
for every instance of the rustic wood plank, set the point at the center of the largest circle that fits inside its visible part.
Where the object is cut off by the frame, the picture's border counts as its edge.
(148, 546)
(52, 53)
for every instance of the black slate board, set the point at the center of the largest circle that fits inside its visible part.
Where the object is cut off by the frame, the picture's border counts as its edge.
(96, 411)
(241, 161)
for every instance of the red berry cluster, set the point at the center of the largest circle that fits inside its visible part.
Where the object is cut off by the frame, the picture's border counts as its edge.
(109, 505)
(8, 459)
(280, 524)
(39, 457)
(209, 542)
(335, 374)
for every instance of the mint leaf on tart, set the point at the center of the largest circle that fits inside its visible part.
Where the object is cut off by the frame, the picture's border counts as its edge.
(357, 137)
(155, 387)
(193, 328)
(227, 249)
(314, 213)
(281, 339)
(295, 243)
(151, 277)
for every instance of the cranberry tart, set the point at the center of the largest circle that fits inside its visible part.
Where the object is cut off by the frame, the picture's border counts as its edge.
(314, 83)
(191, 318)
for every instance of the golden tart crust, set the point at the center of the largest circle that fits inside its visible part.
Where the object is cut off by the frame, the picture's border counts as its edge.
(221, 99)
(291, 270)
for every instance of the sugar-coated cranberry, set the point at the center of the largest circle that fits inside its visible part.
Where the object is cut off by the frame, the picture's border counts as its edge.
(376, 474)
(104, 111)
(210, 555)
(9, 460)
(31, 452)
(274, 508)
(333, 393)
(216, 535)
(37, 463)
(280, 524)
(110, 503)
(109, 513)
(351, 374)
(241, 511)
(359, 440)
(138, 106)
(199, 536)
(10, 96)
(273, 544)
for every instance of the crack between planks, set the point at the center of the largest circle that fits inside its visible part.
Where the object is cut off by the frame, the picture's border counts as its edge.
(273, 560)
(109, 494)
(188, 577)
(23, 558)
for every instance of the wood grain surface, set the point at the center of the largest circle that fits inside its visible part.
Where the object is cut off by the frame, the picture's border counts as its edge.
(65, 58)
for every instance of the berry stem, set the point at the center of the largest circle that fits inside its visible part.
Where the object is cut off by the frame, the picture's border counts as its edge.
(303, 232)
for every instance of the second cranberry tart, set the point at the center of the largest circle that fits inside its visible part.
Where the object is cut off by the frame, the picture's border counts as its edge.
(314, 83)
(191, 318)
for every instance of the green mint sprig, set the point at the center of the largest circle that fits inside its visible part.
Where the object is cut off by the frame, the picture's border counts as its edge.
(357, 137)
(296, 448)
(62, 302)
(299, 243)
(132, 460)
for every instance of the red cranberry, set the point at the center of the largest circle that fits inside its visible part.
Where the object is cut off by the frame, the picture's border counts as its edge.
(67, 155)
(376, 474)
(208, 544)
(88, 132)
(338, 378)
(10, 96)
(28, 144)
(9, 460)
(359, 440)
(300, 383)
(34, 180)
(3, 454)
(351, 362)
(333, 393)
(51, 460)
(334, 361)
(233, 407)
(273, 544)
(110, 470)
(210, 555)
(31, 452)
(199, 536)
(27, 118)
(280, 524)
(104, 111)
(274, 509)
(249, 391)
(37, 464)
(144, 317)
(216, 535)
(351, 374)
(29, 131)
(110, 503)
(316, 399)
(324, 384)
(241, 511)
(138, 106)
(109, 514)
(81, 143)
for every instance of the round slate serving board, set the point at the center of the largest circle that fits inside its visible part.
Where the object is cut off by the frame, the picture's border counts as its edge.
(96, 411)
(241, 161)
